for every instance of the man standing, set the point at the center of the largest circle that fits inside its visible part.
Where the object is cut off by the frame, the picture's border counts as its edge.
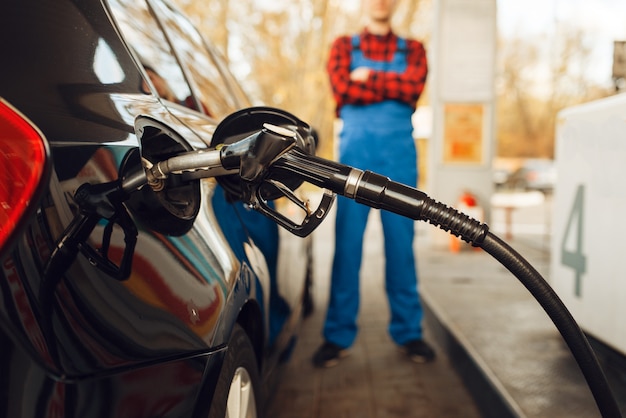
(376, 78)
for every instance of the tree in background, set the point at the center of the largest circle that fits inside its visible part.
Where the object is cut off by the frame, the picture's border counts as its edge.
(278, 48)
(533, 88)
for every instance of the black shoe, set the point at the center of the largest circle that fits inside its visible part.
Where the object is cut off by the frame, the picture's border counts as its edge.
(328, 355)
(419, 351)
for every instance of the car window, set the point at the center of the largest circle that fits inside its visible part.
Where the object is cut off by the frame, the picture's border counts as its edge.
(210, 80)
(144, 35)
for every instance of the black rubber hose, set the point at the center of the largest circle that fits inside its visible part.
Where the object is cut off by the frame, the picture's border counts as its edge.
(561, 317)
(380, 192)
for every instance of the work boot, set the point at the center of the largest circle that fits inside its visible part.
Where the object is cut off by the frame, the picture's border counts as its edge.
(328, 355)
(418, 351)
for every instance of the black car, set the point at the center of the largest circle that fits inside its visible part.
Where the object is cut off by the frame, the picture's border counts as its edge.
(121, 301)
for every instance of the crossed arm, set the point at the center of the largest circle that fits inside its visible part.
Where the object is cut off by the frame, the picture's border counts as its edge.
(365, 86)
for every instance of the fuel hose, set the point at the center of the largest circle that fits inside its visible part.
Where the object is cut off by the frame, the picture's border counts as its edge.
(380, 192)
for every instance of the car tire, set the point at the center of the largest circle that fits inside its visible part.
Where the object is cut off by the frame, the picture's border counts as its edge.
(238, 389)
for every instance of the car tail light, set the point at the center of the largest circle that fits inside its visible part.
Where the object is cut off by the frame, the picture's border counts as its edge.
(23, 166)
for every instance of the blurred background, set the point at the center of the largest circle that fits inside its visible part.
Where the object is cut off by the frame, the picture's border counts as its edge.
(551, 54)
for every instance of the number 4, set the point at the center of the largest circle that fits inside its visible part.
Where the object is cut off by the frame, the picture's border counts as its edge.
(575, 259)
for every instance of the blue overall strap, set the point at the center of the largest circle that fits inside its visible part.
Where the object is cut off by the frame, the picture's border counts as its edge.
(401, 44)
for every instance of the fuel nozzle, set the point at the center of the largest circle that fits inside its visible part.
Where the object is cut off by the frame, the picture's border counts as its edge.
(255, 156)
(255, 140)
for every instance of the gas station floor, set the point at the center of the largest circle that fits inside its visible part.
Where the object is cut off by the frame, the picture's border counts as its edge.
(498, 353)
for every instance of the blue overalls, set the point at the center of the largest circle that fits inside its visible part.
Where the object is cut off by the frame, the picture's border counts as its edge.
(376, 137)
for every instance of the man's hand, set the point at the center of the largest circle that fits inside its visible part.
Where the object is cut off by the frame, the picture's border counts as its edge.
(360, 74)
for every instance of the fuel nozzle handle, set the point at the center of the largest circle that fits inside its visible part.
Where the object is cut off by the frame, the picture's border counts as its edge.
(377, 191)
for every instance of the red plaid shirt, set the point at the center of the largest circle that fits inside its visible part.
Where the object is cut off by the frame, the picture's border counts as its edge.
(405, 87)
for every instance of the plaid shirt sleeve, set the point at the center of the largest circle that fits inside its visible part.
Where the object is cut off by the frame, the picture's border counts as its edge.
(346, 91)
(406, 87)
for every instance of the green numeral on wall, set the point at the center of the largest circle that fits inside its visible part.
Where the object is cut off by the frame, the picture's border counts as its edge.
(575, 259)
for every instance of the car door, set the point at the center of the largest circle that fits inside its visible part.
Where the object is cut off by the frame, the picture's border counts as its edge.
(288, 257)
(209, 88)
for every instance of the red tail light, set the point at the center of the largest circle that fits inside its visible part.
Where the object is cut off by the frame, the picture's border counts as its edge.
(23, 157)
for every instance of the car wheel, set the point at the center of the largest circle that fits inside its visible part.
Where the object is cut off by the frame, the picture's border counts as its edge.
(237, 391)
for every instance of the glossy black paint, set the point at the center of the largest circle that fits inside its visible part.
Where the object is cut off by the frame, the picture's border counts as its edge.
(75, 342)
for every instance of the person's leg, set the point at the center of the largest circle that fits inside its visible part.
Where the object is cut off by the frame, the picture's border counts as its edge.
(400, 264)
(340, 327)
(405, 326)
(401, 279)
